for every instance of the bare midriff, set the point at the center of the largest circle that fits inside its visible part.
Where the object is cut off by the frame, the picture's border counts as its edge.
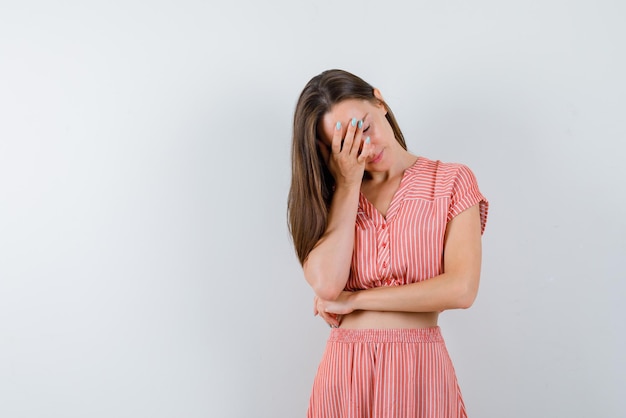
(389, 320)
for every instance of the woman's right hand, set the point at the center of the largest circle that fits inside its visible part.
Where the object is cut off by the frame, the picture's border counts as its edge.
(327, 267)
(346, 157)
(331, 319)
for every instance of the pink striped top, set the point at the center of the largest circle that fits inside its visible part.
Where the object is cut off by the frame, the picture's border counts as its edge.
(406, 246)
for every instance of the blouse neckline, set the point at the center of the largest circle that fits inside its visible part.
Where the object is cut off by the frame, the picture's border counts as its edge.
(396, 201)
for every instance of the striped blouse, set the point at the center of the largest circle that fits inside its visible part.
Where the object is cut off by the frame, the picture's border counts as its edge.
(406, 246)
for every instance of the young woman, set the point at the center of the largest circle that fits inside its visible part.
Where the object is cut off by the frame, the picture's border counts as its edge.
(387, 240)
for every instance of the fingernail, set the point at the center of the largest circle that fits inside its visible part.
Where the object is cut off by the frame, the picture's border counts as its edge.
(338, 126)
(353, 121)
(367, 140)
(360, 124)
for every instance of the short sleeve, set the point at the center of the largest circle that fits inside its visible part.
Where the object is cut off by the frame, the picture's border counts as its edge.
(465, 194)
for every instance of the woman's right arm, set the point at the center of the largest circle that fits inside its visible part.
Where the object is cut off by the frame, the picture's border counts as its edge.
(327, 266)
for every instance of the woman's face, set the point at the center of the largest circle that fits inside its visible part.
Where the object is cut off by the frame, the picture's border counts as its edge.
(375, 125)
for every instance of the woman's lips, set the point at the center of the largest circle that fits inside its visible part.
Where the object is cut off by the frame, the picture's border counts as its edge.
(377, 158)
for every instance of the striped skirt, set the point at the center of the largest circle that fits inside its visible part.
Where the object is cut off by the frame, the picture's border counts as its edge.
(386, 373)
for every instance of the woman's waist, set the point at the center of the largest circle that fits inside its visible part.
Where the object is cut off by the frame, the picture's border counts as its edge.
(389, 320)
(385, 335)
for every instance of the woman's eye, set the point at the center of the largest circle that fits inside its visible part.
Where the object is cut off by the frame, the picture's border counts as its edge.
(366, 129)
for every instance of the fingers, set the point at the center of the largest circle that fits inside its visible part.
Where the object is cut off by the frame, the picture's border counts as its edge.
(358, 138)
(351, 142)
(366, 151)
(331, 319)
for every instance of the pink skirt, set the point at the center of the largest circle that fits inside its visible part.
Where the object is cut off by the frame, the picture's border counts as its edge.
(386, 373)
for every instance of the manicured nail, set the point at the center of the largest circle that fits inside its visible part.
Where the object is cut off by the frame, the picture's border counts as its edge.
(367, 140)
(353, 121)
(360, 124)
(338, 126)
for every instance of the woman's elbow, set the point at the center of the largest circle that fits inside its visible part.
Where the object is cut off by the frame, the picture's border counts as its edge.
(467, 293)
(327, 292)
(466, 301)
(325, 289)
(322, 286)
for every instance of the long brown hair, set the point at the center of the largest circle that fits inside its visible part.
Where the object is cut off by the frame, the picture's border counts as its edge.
(311, 182)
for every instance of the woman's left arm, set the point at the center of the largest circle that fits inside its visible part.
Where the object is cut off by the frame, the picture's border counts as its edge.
(455, 288)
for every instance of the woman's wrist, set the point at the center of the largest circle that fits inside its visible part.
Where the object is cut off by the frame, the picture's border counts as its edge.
(348, 186)
(354, 299)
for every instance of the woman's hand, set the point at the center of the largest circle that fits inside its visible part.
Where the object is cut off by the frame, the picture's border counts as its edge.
(346, 157)
(332, 311)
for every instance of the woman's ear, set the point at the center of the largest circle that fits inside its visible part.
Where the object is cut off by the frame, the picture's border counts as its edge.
(381, 101)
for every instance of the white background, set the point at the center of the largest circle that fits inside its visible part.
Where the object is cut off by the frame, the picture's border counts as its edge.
(145, 264)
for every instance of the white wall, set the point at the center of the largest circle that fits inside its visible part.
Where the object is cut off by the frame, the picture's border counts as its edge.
(145, 264)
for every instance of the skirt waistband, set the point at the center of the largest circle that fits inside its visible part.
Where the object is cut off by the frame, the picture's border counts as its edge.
(408, 335)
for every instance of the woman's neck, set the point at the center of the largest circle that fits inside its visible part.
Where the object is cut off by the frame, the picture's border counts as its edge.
(400, 162)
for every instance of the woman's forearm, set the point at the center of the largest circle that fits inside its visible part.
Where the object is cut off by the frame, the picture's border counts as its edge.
(328, 265)
(447, 291)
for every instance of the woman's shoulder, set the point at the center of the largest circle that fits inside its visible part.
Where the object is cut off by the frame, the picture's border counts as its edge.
(439, 178)
(438, 170)
(453, 182)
